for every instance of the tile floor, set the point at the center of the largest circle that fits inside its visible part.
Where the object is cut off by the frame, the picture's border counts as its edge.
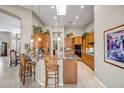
(9, 77)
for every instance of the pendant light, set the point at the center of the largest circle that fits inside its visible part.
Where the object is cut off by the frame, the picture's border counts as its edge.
(39, 39)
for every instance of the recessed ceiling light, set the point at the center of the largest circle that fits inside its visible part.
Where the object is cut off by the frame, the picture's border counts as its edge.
(74, 23)
(56, 23)
(52, 7)
(55, 17)
(82, 6)
(77, 17)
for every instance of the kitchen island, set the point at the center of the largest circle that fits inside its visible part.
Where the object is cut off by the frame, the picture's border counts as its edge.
(70, 69)
(67, 70)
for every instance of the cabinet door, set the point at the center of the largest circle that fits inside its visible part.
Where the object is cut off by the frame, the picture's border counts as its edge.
(90, 62)
(46, 41)
(92, 66)
(85, 58)
(42, 41)
(78, 40)
(35, 40)
(90, 38)
(70, 42)
(84, 45)
(87, 41)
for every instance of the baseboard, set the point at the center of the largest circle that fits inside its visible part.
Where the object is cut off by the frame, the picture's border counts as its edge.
(100, 82)
(43, 84)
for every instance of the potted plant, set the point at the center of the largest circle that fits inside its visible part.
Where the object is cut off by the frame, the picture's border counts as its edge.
(84, 34)
(37, 29)
(47, 32)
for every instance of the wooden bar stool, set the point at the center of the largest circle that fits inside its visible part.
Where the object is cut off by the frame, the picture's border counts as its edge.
(51, 70)
(27, 68)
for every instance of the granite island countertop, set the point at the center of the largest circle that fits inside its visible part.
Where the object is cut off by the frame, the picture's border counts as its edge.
(72, 57)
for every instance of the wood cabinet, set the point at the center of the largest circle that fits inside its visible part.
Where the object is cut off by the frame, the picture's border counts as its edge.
(84, 45)
(88, 60)
(69, 42)
(70, 72)
(88, 42)
(90, 39)
(78, 40)
(36, 40)
(46, 43)
(45, 40)
(84, 57)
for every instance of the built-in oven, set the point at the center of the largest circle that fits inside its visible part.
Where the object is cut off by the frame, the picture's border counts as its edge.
(78, 50)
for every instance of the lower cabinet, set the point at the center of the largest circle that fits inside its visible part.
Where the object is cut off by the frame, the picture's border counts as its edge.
(88, 60)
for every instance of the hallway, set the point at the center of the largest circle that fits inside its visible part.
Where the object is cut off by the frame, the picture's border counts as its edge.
(9, 77)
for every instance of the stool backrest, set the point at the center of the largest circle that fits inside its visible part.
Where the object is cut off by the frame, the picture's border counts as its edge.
(13, 54)
(22, 60)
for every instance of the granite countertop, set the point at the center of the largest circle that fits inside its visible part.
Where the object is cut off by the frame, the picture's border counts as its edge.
(72, 57)
(90, 54)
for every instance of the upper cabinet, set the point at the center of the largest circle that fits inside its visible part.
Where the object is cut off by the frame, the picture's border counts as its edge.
(91, 37)
(78, 40)
(44, 42)
(88, 41)
(69, 42)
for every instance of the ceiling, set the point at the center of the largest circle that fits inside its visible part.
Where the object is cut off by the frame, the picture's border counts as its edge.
(47, 14)
(9, 23)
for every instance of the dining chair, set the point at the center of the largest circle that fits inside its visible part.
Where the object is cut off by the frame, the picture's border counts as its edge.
(13, 57)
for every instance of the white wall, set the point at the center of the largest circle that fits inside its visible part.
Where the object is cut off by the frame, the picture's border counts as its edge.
(5, 36)
(26, 22)
(54, 36)
(107, 17)
(15, 44)
(89, 27)
(75, 30)
(36, 21)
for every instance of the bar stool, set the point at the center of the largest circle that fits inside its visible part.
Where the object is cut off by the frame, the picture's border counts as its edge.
(27, 68)
(51, 70)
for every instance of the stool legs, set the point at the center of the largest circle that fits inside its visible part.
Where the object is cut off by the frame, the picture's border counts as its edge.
(56, 79)
(34, 72)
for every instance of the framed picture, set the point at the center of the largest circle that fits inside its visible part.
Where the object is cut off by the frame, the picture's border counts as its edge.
(114, 46)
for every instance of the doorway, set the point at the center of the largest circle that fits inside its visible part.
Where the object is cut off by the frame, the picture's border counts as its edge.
(10, 33)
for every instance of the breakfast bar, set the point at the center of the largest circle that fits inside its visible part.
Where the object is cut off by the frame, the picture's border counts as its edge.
(70, 69)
